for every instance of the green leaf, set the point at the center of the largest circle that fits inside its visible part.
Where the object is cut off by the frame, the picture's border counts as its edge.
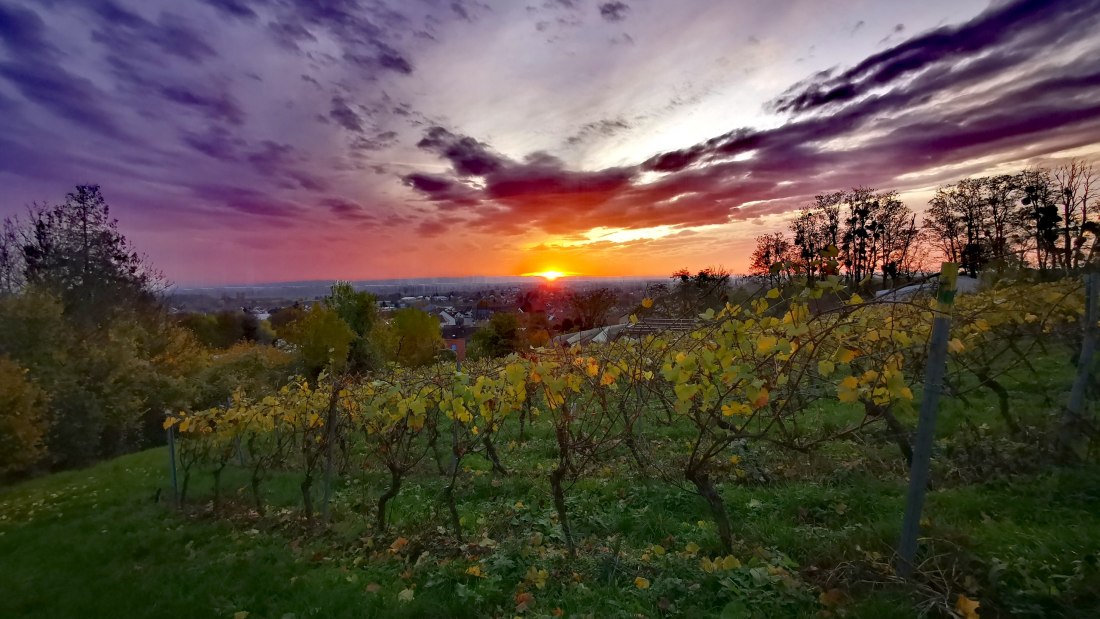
(736, 609)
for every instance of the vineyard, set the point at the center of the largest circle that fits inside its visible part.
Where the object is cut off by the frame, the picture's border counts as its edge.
(752, 467)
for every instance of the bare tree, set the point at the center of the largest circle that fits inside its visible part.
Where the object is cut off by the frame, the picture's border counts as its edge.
(1038, 217)
(817, 228)
(772, 257)
(1075, 189)
(591, 307)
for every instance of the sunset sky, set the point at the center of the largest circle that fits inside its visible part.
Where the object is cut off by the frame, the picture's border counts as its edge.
(273, 140)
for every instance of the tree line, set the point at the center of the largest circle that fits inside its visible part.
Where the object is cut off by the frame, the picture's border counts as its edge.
(91, 358)
(1042, 219)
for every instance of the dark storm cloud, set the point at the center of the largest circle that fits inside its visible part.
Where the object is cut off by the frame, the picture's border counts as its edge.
(379, 141)
(385, 57)
(290, 34)
(468, 156)
(391, 59)
(216, 142)
(614, 11)
(348, 210)
(248, 201)
(69, 96)
(599, 129)
(235, 8)
(441, 189)
(218, 106)
(281, 162)
(32, 68)
(1019, 26)
(342, 113)
(124, 31)
(23, 32)
(537, 190)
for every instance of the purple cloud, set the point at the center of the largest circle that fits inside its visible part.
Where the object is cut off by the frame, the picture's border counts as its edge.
(1015, 27)
(614, 11)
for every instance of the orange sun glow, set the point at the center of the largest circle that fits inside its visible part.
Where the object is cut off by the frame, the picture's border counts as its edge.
(548, 275)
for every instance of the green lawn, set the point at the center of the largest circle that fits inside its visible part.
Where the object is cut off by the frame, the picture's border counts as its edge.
(94, 543)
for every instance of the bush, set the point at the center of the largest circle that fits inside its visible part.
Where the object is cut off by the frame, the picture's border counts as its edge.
(23, 421)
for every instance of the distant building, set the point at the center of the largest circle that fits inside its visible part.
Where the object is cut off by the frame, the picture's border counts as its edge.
(457, 338)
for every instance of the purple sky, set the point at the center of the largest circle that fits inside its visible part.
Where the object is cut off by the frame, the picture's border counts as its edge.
(263, 140)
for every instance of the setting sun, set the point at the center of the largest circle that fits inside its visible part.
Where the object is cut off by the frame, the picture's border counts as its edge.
(548, 275)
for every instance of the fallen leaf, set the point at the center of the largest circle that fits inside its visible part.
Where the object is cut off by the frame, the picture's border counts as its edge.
(398, 544)
(967, 607)
(831, 598)
(524, 600)
(641, 583)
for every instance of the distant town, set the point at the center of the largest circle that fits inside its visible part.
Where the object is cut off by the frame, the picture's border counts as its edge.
(460, 305)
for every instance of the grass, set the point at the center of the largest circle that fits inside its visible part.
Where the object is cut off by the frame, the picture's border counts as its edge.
(1024, 541)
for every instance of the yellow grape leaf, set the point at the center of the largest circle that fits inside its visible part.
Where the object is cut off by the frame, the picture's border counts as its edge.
(855, 300)
(691, 548)
(641, 583)
(967, 607)
(847, 395)
(730, 563)
(475, 570)
(736, 408)
(773, 293)
(607, 379)
(956, 346)
(647, 303)
(658, 550)
(766, 343)
(537, 577)
(761, 399)
(847, 391)
(685, 392)
(708, 565)
(593, 368)
(168, 423)
(406, 595)
(845, 355)
(825, 367)
(185, 424)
